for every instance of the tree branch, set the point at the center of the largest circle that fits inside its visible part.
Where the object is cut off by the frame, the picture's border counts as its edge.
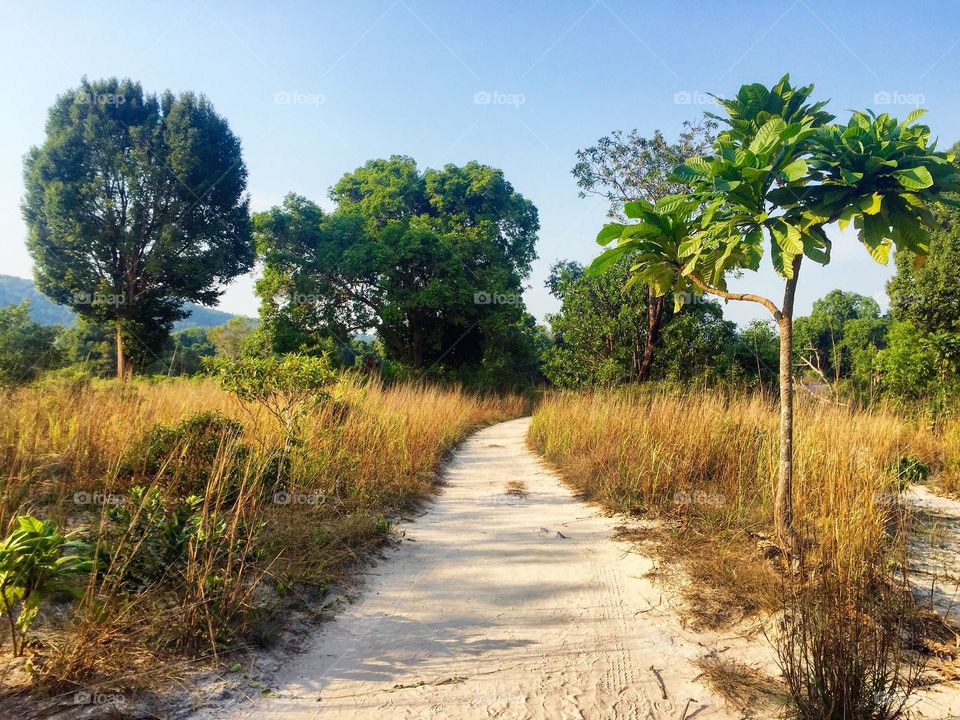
(768, 304)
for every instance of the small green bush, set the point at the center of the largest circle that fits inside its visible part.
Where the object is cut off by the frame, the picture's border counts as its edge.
(184, 456)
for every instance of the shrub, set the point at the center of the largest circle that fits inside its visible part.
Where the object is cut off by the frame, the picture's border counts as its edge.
(35, 562)
(184, 455)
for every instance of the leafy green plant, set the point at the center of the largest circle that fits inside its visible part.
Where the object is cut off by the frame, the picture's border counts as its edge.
(286, 387)
(183, 456)
(36, 561)
(781, 172)
(154, 538)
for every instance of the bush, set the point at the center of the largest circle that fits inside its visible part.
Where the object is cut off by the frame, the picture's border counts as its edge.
(184, 456)
(842, 645)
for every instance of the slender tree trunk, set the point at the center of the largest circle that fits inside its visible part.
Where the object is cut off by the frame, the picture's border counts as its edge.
(783, 501)
(654, 322)
(123, 362)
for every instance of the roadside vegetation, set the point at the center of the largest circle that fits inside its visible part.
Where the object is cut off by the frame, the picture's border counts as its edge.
(196, 520)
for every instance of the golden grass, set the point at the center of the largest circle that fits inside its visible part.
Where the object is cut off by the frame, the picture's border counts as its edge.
(710, 460)
(368, 454)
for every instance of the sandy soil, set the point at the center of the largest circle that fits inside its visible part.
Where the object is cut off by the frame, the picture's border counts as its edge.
(500, 605)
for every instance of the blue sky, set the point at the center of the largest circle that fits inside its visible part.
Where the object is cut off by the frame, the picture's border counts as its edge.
(314, 89)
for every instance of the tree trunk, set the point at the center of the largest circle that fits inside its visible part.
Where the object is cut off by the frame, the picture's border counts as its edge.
(654, 321)
(783, 501)
(123, 361)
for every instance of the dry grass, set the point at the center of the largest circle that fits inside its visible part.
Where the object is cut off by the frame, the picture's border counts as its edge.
(747, 689)
(705, 465)
(364, 457)
(710, 461)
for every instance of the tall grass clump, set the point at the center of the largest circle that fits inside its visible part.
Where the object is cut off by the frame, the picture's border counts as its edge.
(203, 518)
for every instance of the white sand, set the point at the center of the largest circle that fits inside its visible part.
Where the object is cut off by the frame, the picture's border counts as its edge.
(485, 611)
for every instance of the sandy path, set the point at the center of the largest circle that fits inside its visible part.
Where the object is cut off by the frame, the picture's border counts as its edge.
(499, 607)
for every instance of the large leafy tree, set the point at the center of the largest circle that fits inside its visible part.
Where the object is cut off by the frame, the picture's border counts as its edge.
(599, 331)
(840, 336)
(779, 174)
(26, 348)
(621, 167)
(433, 261)
(135, 204)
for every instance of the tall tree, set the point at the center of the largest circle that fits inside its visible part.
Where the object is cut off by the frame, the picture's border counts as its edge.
(840, 325)
(135, 204)
(600, 329)
(434, 262)
(781, 172)
(623, 167)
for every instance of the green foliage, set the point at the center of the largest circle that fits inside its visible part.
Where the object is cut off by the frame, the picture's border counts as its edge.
(185, 456)
(36, 561)
(135, 204)
(600, 330)
(927, 293)
(234, 338)
(907, 366)
(156, 539)
(758, 352)
(782, 171)
(623, 167)
(287, 387)
(698, 344)
(840, 339)
(183, 353)
(432, 261)
(26, 348)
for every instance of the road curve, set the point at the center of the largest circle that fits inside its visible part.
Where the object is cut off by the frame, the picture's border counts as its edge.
(498, 605)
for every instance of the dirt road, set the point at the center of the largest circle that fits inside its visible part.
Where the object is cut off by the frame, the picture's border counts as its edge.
(507, 599)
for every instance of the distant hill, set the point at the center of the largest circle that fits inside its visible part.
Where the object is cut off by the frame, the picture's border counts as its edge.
(14, 290)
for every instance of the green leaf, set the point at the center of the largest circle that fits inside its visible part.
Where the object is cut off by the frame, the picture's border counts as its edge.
(794, 171)
(916, 178)
(610, 231)
(686, 174)
(914, 116)
(608, 258)
(768, 135)
(870, 205)
(636, 208)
